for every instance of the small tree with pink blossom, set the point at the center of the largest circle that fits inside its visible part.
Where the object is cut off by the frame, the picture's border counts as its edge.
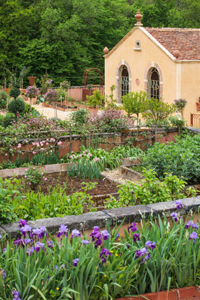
(51, 96)
(32, 92)
(65, 86)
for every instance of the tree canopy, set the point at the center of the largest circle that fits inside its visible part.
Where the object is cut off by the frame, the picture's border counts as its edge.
(65, 37)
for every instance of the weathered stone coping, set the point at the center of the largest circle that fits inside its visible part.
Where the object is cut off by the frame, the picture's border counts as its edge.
(115, 216)
(47, 168)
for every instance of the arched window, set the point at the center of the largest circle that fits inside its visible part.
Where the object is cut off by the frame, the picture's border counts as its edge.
(124, 82)
(154, 84)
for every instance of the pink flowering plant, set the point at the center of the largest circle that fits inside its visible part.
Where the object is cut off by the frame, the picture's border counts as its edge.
(34, 177)
(180, 104)
(159, 255)
(51, 96)
(32, 92)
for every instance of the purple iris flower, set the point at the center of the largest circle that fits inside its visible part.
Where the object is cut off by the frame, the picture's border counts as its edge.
(22, 223)
(39, 246)
(56, 267)
(19, 242)
(128, 246)
(29, 251)
(179, 204)
(174, 216)
(75, 262)
(4, 249)
(193, 236)
(28, 241)
(105, 234)
(96, 236)
(25, 230)
(40, 232)
(136, 237)
(150, 244)
(117, 236)
(188, 224)
(50, 244)
(76, 233)
(0, 236)
(3, 274)
(133, 227)
(62, 231)
(104, 254)
(16, 295)
(195, 226)
(142, 253)
(84, 242)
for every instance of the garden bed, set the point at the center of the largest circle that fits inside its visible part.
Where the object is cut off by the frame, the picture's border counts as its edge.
(73, 184)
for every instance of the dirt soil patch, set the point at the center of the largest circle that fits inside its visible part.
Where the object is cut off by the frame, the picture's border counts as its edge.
(73, 184)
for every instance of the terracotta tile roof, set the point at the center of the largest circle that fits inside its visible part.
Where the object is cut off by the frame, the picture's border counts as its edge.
(187, 41)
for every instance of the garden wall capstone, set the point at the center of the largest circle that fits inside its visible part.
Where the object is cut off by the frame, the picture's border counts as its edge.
(115, 216)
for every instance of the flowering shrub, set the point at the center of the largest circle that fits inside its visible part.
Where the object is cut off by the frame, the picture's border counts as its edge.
(32, 91)
(51, 96)
(33, 176)
(65, 85)
(156, 257)
(109, 120)
(180, 104)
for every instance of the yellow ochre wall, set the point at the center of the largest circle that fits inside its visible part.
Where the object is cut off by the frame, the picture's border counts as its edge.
(190, 87)
(178, 81)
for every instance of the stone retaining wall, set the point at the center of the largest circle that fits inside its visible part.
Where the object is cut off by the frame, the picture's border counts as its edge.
(114, 217)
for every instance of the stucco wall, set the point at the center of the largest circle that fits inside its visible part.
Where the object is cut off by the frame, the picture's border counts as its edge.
(180, 79)
(190, 80)
(138, 62)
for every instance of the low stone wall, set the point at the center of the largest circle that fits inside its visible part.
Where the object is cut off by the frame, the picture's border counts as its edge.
(114, 217)
(163, 136)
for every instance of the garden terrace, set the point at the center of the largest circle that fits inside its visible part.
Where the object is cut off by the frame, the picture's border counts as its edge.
(9, 146)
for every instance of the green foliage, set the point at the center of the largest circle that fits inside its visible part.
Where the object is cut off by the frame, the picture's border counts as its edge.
(80, 116)
(150, 190)
(46, 274)
(96, 99)
(158, 111)
(177, 121)
(36, 205)
(84, 169)
(40, 159)
(105, 159)
(43, 81)
(34, 177)
(17, 106)
(3, 99)
(14, 92)
(134, 103)
(8, 191)
(9, 118)
(181, 158)
(111, 102)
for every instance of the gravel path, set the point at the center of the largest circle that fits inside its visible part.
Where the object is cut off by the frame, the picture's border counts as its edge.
(116, 175)
(51, 113)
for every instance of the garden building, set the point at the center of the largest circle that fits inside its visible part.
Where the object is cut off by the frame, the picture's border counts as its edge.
(164, 62)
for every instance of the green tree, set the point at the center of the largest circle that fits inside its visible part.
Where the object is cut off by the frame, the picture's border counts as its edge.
(134, 103)
(158, 111)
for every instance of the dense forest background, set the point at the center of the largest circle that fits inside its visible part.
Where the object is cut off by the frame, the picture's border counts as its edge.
(65, 37)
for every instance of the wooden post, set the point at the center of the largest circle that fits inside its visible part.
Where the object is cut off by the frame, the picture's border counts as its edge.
(84, 207)
(70, 138)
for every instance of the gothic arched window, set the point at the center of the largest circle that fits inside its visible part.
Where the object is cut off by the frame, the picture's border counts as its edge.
(124, 82)
(154, 84)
